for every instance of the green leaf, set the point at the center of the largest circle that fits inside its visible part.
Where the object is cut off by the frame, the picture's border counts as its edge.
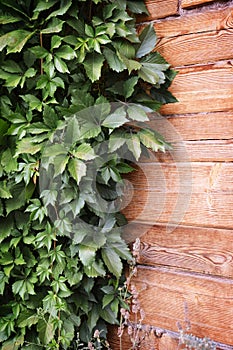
(66, 52)
(137, 7)
(60, 65)
(84, 152)
(129, 85)
(4, 191)
(148, 41)
(134, 146)
(93, 64)
(107, 299)
(149, 139)
(15, 40)
(27, 145)
(65, 5)
(151, 74)
(46, 331)
(3, 281)
(54, 26)
(115, 63)
(7, 18)
(44, 5)
(86, 254)
(55, 42)
(112, 261)
(9, 163)
(11, 67)
(130, 64)
(33, 102)
(77, 169)
(116, 119)
(136, 112)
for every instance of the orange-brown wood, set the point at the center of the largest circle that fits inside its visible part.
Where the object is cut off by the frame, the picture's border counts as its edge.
(187, 193)
(190, 3)
(166, 293)
(202, 89)
(198, 249)
(212, 20)
(198, 48)
(159, 9)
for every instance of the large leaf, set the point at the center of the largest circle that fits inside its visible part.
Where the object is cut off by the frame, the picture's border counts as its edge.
(148, 41)
(115, 63)
(15, 40)
(87, 254)
(93, 64)
(46, 331)
(54, 26)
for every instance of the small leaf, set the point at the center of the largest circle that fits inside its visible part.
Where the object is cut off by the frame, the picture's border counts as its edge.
(86, 254)
(129, 85)
(112, 261)
(66, 52)
(60, 65)
(115, 63)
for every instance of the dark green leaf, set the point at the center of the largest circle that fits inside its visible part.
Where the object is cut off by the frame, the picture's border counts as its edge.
(93, 64)
(148, 41)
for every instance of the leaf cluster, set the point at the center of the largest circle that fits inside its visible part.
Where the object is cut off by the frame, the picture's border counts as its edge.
(63, 64)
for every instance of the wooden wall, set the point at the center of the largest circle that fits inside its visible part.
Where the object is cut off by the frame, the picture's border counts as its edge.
(186, 256)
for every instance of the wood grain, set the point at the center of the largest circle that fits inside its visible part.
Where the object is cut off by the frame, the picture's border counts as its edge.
(202, 89)
(212, 20)
(183, 193)
(198, 249)
(209, 301)
(159, 9)
(190, 3)
(182, 50)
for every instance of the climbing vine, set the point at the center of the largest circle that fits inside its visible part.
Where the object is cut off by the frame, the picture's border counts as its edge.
(76, 78)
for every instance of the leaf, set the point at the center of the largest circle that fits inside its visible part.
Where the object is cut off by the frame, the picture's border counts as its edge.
(4, 191)
(7, 18)
(15, 40)
(60, 65)
(112, 261)
(66, 52)
(148, 41)
(46, 331)
(128, 87)
(44, 5)
(134, 146)
(130, 64)
(86, 254)
(136, 112)
(149, 139)
(116, 119)
(54, 26)
(33, 102)
(84, 152)
(9, 163)
(137, 7)
(65, 5)
(26, 145)
(151, 74)
(115, 63)
(77, 169)
(93, 64)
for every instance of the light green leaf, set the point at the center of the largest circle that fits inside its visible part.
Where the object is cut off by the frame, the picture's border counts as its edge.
(15, 40)
(137, 7)
(93, 64)
(55, 150)
(7, 18)
(54, 26)
(26, 145)
(33, 102)
(66, 52)
(8, 162)
(148, 41)
(46, 331)
(44, 5)
(4, 191)
(55, 42)
(64, 7)
(134, 146)
(84, 152)
(151, 73)
(116, 119)
(77, 169)
(87, 254)
(130, 64)
(60, 65)
(149, 139)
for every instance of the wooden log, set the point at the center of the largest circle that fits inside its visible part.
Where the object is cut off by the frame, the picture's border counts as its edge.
(191, 3)
(169, 296)
(181, 193)
(159, 9)
(198, 249)
(211, 20)
(202, 89)
(198, 48)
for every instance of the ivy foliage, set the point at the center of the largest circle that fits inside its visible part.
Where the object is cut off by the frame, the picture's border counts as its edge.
(60, 270)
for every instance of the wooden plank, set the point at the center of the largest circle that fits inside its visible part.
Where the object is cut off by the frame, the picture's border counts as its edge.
(197, 249)
(191, 3)
(159, 9)
(211, 20)
(185, 193)
(199, 151)
(191, 127)
(209, 300)
(198, 48)
(202, 89)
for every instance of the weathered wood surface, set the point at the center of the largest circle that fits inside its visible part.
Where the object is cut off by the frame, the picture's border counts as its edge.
(197, 48)
(190, 3)
(213, 20)
(183, 193)
(164, 293)
(202, 89)
(191, 127)
(160, 9)
(198, 249)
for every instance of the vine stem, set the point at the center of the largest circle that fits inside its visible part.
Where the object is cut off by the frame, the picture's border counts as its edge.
(41, 60)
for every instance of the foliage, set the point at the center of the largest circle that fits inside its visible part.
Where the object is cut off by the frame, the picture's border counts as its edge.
(59, 58)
